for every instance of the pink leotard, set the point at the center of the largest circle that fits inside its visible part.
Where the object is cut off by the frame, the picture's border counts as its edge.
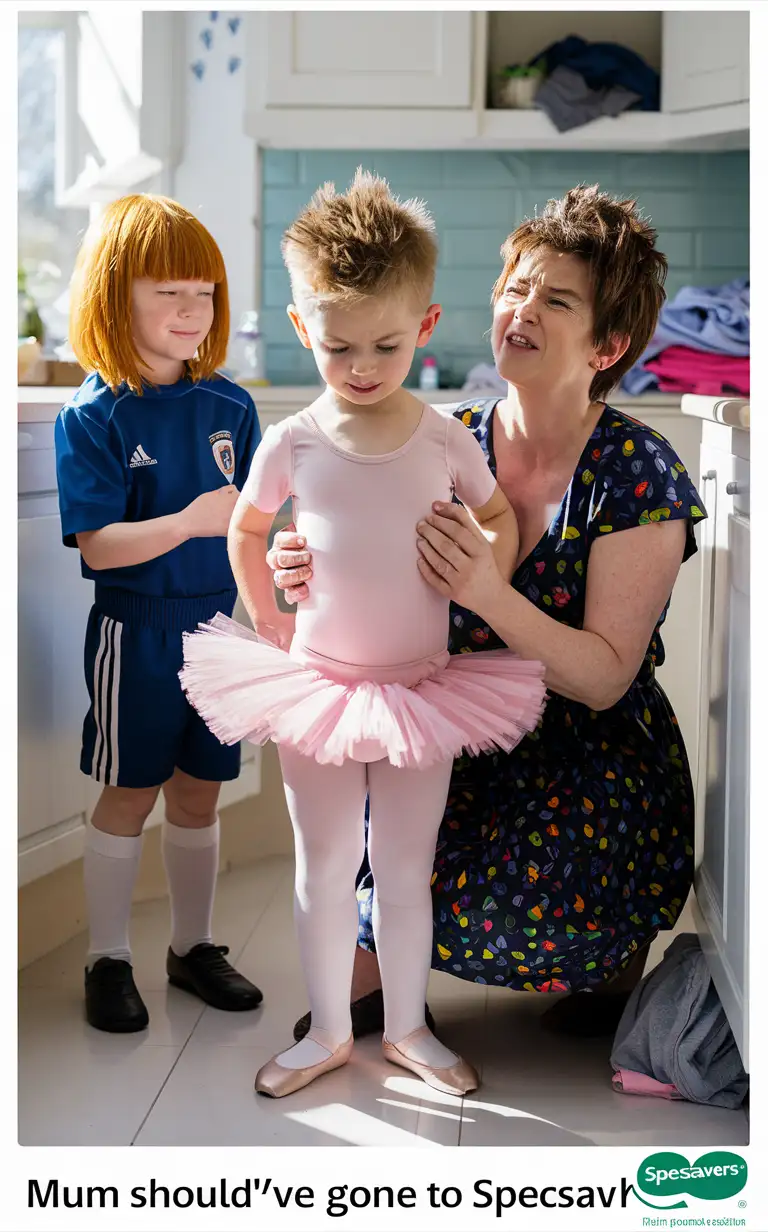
(368, 605)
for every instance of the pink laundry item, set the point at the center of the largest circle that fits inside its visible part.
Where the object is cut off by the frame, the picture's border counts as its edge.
(629, 1082)
(681, 369)
(368, 674)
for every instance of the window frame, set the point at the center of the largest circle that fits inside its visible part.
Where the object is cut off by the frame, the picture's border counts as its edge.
(162, 54)
(67, 143)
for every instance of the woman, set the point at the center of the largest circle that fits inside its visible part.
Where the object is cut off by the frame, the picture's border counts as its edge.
(557, 864)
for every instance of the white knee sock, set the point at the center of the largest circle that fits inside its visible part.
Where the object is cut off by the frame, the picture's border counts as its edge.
(407, 807)
(191, 858)
(111, 863)
(327, 808)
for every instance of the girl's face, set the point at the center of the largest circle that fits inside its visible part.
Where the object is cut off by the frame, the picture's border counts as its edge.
(364, 351)
(170, 321)
(543, 324)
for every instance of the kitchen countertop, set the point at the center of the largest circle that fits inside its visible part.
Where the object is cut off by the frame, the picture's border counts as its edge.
(42, 403)
(734, 412)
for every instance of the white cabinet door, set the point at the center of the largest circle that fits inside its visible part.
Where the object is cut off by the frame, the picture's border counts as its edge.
(705, 59)
(723, 786)
(54, 601)
(363, 59)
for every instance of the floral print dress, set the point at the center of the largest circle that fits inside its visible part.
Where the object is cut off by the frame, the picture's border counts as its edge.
(557, 861)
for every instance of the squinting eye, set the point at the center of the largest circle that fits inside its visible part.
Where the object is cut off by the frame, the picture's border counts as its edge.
(387, 350)
(560, 303)
(335, 350)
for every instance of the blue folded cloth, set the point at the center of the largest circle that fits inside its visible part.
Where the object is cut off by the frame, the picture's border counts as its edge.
(714, 319)
(603, 65)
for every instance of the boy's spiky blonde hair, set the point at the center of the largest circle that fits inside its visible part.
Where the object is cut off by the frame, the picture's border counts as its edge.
(346, 247)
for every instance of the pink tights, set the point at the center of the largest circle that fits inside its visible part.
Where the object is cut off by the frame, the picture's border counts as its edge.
(327, 808)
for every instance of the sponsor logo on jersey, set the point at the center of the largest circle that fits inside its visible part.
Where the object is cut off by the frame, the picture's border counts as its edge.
(140, 457)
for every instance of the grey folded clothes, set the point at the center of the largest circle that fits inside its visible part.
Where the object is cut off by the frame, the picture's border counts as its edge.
(674, 1040)
(569, 102)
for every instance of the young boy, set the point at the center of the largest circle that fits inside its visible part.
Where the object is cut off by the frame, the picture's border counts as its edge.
(150, 454)
(362, 697)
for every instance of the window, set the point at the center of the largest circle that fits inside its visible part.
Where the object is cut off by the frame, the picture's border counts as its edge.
(48, 234)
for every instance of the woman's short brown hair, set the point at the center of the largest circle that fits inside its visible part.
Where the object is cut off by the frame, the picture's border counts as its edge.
(626, 269)
(141, 236)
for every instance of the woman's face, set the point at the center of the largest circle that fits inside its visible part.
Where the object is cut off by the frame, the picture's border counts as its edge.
(543, 323)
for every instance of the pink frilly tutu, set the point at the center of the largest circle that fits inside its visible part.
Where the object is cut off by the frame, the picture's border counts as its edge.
(245, 688)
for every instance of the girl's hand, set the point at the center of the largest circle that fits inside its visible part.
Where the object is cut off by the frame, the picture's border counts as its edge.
(208, 515)
(291, 563)
(457, 559)
(279, 631)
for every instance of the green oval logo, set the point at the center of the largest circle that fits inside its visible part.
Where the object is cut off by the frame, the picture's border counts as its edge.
(718, 1174)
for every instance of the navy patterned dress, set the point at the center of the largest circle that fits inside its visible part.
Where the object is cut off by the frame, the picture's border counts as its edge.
(557, 861)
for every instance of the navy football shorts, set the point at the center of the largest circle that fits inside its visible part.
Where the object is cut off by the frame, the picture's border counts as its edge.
(140, 726)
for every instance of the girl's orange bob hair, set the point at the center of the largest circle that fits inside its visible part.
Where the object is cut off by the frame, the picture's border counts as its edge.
(141, 236)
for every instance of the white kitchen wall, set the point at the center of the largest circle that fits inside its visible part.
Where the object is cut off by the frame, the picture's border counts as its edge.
(216, 179)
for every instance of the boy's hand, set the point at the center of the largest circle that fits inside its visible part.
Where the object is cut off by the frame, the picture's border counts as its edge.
(291, 562)
(209, 514)
(279, 631)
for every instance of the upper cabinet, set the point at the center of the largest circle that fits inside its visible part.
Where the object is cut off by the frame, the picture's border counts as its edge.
(427, 80)
(705, 60)
(362, 59)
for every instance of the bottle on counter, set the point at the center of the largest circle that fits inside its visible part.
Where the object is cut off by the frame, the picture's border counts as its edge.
(250, 353)
(429, 377)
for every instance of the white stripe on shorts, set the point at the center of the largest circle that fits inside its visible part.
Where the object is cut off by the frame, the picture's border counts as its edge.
(105, 701)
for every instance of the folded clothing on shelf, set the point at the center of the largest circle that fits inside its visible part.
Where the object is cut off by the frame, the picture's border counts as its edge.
(708, 320)
(681, 369)
(569, 102)
(603, 67)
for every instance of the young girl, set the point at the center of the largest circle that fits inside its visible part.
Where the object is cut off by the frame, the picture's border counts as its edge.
(150, 453)
(366, 702)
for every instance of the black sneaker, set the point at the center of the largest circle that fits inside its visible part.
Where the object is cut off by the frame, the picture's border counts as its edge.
(205, 972)
(112, 1000)
(367, 1017)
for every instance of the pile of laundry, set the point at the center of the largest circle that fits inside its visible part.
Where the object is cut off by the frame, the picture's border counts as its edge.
(701, 344)
(586, 80)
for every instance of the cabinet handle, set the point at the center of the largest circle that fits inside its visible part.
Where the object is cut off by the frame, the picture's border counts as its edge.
(708, 476)
(734, 488)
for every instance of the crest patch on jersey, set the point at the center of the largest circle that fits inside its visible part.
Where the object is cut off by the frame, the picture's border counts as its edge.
(223, 453)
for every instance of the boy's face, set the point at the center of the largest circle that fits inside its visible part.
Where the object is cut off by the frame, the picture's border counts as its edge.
(364, 351)
(170, 321)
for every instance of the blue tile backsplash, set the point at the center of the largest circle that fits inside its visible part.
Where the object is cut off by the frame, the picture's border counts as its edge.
(698, 202)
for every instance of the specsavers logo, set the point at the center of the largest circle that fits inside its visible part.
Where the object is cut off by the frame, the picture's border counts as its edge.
(719, 1174)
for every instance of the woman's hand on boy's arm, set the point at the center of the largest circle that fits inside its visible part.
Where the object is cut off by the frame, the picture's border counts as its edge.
(291, 561)
(457, 559)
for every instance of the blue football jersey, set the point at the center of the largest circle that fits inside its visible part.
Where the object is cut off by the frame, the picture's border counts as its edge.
(128, 458)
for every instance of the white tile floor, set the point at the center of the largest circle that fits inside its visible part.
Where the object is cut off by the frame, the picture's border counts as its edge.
(188, 1080)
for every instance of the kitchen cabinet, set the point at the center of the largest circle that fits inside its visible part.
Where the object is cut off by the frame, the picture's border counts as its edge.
(422, 80)
(705, 59)
(362, 59)
(54, 799)
(722, 797)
